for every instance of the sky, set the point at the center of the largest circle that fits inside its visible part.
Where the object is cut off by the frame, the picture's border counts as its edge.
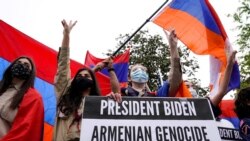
(99, 23)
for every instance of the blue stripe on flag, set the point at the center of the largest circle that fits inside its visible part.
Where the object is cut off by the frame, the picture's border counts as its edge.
(121, 70)
(199, 10)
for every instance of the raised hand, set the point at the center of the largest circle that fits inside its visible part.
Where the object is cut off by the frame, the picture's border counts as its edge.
(68, 26)
(172, 38)
(108, 62)
(105, 63)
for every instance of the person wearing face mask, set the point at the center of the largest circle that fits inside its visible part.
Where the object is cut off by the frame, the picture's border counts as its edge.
(138, 79)
(71, 93)
(138, 76)
(242, 109)
(191, 89)
(21, 106)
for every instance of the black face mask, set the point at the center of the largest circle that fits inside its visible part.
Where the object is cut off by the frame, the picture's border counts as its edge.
(81, 83)
(20, 71)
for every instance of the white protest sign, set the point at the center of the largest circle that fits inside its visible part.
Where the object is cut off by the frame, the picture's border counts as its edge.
(148, 119)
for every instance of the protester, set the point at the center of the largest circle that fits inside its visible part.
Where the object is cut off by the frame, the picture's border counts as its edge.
(70, 94)
(21, 106)
(138, 76)
(242, 109)
(191, 89)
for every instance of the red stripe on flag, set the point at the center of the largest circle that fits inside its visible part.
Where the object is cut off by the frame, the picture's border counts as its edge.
(14, 44)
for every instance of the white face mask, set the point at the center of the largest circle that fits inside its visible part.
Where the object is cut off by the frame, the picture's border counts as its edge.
(139, 76)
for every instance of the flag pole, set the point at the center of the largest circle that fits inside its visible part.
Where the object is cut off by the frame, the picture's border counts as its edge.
(139, 29)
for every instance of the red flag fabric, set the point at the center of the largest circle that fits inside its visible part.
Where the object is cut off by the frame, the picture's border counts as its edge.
(28, 123)
(120, 64)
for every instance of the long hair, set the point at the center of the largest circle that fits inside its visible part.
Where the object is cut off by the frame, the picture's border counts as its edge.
(72, 98)
(242, 103)
(28, 83)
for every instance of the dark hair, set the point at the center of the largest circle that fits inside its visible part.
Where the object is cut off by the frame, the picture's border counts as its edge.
(28, 83)
(72, 99)
(242, 103)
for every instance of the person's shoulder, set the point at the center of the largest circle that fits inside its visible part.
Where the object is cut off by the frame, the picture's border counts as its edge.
(163, 90)
(31, 99)
(33, 93)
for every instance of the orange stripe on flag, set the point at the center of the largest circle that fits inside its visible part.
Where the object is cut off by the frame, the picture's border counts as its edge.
(48, 132)
(206, 41)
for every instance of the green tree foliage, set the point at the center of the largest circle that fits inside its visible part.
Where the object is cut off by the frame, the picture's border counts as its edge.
(152, 52)
(241, 17)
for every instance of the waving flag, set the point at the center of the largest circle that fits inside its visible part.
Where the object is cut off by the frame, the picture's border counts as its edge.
(120, 64)
(14, 43)
(199, 28)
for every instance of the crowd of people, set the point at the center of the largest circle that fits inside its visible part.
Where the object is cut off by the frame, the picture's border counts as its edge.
(21, 106)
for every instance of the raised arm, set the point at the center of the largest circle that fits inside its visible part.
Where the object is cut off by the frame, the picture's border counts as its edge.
(108, 63)
(63, 63)
(115, 86)
(175, 74)
(216, 99)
